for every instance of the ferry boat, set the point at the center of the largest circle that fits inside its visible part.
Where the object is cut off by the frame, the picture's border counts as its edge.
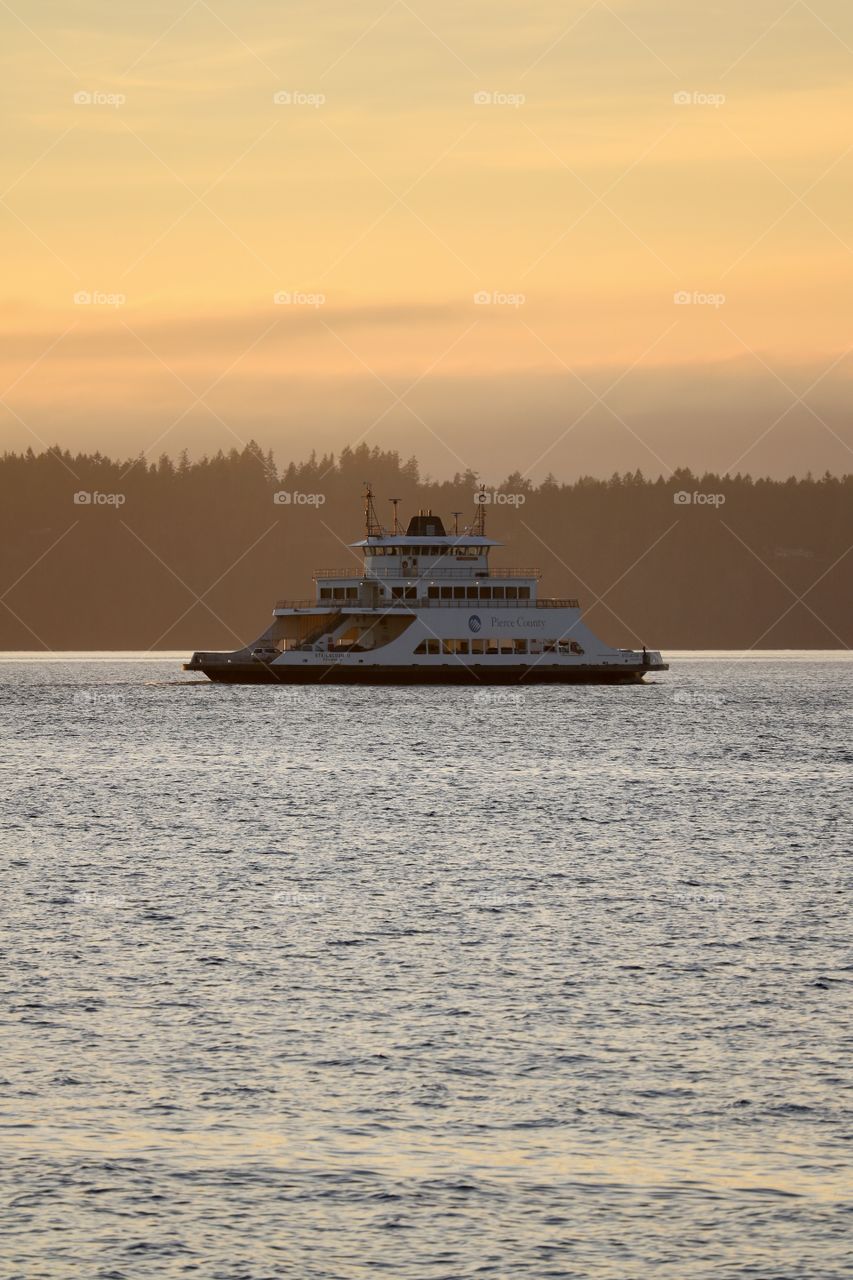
(426, 607)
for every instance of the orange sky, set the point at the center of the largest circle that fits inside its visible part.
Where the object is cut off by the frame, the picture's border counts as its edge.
(172, 172)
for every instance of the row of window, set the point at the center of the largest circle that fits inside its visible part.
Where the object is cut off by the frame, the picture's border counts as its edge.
(435, 593)
(351, 593)
(478, 593)
(495, 645)
(460, 553)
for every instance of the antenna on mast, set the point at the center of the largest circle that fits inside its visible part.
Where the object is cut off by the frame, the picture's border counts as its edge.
(456, 515)
(372, 527)
(395, 502)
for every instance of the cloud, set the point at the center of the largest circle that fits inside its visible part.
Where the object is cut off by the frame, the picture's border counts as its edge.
(712, 416)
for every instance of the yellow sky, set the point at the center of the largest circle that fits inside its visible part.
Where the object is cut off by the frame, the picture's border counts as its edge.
(627, 152)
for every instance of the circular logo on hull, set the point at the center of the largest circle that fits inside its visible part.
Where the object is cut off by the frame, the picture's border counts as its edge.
(474, 622)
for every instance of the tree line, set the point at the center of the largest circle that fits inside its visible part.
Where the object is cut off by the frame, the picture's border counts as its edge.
(99, 553)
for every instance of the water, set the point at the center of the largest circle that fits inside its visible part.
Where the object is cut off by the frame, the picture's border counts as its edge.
(337, 983)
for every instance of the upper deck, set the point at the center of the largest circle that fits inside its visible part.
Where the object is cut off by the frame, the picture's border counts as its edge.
(424, 565)
(401, 542)
(435, 570)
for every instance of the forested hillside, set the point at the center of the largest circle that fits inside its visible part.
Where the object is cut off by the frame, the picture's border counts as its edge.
(180, 554)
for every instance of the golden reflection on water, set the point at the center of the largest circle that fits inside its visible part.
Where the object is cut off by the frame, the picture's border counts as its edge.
(269, 986)
(663, 1166)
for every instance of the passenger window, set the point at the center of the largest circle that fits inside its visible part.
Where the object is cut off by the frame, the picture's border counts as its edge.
(512, 593)
(524, 593)
(458, 593)
(498, 593)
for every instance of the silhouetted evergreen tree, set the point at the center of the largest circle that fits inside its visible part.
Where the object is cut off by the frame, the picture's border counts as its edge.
(198, 550)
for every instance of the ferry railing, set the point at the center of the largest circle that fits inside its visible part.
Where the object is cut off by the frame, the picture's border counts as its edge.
(333, 606)
(328, 606)
(424, 573)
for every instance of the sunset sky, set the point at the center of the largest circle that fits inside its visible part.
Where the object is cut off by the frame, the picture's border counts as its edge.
(627, 152)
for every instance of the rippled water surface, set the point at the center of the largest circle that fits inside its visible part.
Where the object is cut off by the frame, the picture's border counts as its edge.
(331, 983)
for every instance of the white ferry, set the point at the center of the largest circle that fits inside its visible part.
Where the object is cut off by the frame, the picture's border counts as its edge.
(426, 607)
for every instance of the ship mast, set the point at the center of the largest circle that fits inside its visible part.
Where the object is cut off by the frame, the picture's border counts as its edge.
(395, 502)
(478, 528)
(372, 527)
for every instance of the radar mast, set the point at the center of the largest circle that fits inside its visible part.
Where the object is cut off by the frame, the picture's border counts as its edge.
(372, 527)
(478, 528)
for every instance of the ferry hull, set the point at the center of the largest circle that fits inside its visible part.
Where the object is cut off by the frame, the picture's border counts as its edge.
(447, 674)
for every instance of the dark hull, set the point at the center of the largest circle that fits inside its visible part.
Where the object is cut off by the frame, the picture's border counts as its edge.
(451, 673)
